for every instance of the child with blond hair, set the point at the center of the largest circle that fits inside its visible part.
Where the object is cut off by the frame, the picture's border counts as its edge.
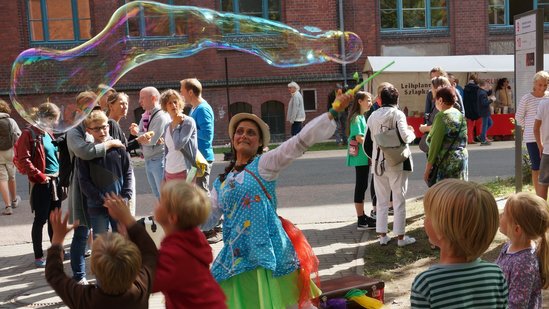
(461, 218)
(185, 256)
(524, 259)
(124, 268)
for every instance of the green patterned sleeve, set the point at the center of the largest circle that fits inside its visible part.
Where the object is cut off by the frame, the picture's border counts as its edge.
(436, 137)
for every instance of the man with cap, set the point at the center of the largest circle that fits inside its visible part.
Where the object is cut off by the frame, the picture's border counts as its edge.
(296, 109)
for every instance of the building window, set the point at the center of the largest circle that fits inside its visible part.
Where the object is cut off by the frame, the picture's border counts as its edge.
(498, 13)
(268, 9)
(59, 20)
(543, 4)
(413, 14)
(309, 99)
(239, 107)
(150, 23)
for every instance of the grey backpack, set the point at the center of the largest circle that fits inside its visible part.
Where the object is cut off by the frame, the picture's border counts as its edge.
(6, 134)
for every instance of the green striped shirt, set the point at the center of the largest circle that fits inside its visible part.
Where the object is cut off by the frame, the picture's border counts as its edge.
(478, 284)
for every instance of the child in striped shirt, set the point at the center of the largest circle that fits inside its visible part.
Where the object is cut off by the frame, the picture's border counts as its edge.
(461, 218)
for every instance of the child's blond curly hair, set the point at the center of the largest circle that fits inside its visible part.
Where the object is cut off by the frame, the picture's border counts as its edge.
(189, 203)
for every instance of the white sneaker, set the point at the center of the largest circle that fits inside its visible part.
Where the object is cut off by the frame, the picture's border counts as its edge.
(406, 241)
(83, 281)
(16, 201)
(7, 211)
(384, 240)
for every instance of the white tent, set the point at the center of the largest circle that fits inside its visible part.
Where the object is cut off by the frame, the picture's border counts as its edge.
(454, 64)
(411, 74)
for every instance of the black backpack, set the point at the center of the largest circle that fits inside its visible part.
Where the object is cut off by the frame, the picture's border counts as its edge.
(66, 165)
(6, 134)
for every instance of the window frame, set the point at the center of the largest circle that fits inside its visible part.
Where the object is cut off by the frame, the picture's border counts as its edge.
(142, 29)
(45, 24)
(315, 99)
(545, 11)
(427, 10)
(236, 10)
(507, 20)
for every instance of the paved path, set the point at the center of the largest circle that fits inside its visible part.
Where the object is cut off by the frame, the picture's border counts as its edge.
(331, 231)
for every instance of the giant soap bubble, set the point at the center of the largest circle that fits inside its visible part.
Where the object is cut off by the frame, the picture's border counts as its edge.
(48, 75)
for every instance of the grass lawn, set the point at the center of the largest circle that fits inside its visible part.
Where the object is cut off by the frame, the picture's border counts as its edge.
(397, 266)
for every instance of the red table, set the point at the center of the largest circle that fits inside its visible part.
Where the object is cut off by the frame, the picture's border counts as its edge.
(415, 122)
(502, 124)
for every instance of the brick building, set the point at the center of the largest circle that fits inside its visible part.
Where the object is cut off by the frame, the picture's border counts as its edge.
(390, 28)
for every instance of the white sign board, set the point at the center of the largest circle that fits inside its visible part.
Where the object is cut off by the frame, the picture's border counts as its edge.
(525, 53)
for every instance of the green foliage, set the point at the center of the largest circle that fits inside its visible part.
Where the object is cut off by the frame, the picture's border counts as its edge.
(501, 187)
(526, 167)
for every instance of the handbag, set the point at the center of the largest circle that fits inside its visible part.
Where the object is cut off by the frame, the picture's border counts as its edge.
(353, 148)
(423, 146)
(368, 144)
(432, 178)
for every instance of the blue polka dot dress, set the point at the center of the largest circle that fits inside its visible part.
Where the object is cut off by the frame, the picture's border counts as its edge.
(252, 231)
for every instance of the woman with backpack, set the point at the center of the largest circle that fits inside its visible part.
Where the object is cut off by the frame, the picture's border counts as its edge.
(36, 157)
(9, 133)
(389, 174)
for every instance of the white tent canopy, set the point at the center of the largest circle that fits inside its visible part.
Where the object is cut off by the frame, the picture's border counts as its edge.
(454, 64)
(411, 74)
(474, 63)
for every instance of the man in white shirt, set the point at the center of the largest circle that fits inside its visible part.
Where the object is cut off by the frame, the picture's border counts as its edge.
(296, 108)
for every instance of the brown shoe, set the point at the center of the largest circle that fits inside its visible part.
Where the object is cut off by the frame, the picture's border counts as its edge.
(213, 237)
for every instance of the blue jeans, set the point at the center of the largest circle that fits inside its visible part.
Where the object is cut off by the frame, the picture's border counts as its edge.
(155, 174)
(78, 249)
(296, 127)
(341, 121)
(486, 124)
(100, 224)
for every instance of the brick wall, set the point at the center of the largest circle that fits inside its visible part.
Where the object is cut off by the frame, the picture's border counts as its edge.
(469, 27)
(251, 79)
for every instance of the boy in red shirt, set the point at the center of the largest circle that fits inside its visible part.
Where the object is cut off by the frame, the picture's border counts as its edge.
(183, 269)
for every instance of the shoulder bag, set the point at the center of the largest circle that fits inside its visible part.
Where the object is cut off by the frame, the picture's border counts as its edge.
(423, 146)
(353, 148)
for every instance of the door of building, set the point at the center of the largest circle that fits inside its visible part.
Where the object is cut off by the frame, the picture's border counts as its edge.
(272, 112)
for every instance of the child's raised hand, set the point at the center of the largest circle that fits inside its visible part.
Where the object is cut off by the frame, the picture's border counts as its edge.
(60, 226)
(118, 209)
